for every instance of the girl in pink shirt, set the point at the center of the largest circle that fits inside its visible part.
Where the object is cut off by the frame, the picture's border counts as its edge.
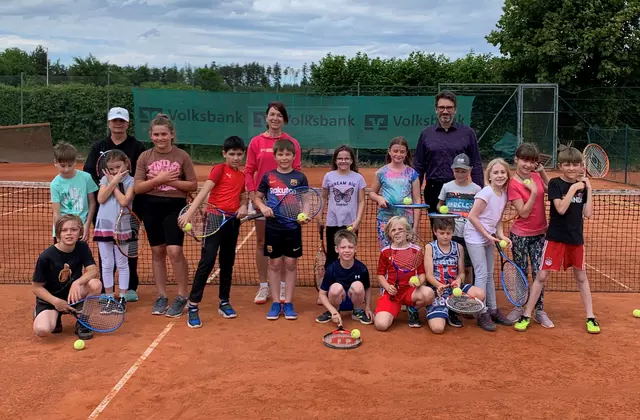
(260, 160)
(526, 193)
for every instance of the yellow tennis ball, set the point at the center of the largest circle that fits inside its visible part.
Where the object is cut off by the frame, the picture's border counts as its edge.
(636, 313)
(78, 345)
(527, 181)
(444, 209)
(503, 244)
(188, 227)
(302, 217)
(349, 228)
(457, 292)
(355, 333)
(407, 201)
(414, 280)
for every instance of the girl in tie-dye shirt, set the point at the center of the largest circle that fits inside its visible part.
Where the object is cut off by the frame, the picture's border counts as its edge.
(393, 183)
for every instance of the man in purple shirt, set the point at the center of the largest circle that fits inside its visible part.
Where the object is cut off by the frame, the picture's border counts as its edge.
(439, 144)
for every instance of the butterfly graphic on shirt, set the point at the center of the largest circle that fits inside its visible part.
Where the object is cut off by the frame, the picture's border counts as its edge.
(343, 196)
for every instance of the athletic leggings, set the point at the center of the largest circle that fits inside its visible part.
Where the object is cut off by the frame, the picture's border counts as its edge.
(525, 248)
(110, 254)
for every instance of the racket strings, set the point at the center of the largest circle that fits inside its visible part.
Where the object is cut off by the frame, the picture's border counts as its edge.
(515, 284)
(341, 340)
(103, 314)
(307, 202)
(465, 304)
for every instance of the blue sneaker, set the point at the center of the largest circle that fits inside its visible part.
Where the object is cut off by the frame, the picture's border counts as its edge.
(226, 310)
(193, 320)
(274, 312)
(289, 313)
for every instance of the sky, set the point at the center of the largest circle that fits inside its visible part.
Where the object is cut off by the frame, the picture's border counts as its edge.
(291, 32)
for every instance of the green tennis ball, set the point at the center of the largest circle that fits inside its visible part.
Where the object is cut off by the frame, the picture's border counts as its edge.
(355, 333)
(457, 292)
(503, 244)
(407, 201)
(444, 209)
(302, 217)
(414, 280)
(350, 228)
(636, 313)
(527, 181)
(188, 227)
(78, 345)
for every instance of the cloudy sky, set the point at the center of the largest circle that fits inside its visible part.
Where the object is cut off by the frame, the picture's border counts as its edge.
(167, 32)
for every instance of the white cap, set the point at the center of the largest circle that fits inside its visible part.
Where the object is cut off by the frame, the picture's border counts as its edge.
(118, 113)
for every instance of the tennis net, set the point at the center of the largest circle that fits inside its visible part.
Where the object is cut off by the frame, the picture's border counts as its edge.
(611, 240)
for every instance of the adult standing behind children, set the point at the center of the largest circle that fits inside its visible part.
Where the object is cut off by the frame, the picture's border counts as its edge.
(260, 160)
(118, 123)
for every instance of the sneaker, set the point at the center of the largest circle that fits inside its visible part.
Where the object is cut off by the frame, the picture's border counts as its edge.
(58, 327)
(324, 317)
(109, 305)
(160, 306)
(454, 321)
(414, 317)
(177, 307)
(131, 296)
(542, 318)
(498, 318)
(289, 312)
(485, 322)
(83, 332)
(283, 289)
(193, 320)
(226, 310)
(592, 326)
(274, 312)
(403, 308)
(359, 314)
(121, 307)
(262, 295)
(522, 324)
(515, 314)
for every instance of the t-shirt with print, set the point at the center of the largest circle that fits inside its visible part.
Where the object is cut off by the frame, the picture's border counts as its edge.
(342, 204)
(274, 185)
(151, 162)
(72, 193)
(459, 199)
(394, 187)
(229, 186)
(566, 228)
(489, 218)
(336, 273)
(536, 223)
(57, 270)
(109, 211)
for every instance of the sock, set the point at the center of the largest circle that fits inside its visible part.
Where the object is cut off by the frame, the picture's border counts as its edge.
(283, 285)
(264, 284)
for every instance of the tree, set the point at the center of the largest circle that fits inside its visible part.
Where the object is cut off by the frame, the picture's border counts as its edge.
(39, 59)
(14, 61)
(208, 78)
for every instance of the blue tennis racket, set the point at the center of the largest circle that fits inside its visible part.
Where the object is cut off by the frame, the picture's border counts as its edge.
(99, 313)
(298, 200)
(514, 281)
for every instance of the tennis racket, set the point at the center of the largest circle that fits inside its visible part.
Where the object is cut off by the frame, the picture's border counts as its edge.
(99, 313)
(407, 260)
(207, 220)
(444, 216)
(321, 259)
(596, 161)
(297, 200)
(341, 339)
(514, 281)
(410, 206)
(129, 233)
(465, 304)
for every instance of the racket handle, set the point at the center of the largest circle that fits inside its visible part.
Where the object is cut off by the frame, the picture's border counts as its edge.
(251, 217)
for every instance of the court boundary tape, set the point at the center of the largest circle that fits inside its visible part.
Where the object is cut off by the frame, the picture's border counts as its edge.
(122, 382)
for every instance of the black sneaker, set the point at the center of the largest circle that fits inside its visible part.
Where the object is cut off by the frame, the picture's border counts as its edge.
(324, 318)
(454, 320)
(58, 328)
(414, 317)
(122, 307)
(83, 332)
(359, 314)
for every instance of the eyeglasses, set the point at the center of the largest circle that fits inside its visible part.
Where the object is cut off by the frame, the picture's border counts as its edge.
(445, 108)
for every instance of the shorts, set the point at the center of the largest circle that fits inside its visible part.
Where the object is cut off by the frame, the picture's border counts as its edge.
(556, 255)
(467, 258)
(438, 309)
(280, 242)
(393, 304)
(41, 306)
(161, 220)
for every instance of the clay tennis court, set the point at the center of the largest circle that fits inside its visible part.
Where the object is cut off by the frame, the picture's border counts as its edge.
(248, 367)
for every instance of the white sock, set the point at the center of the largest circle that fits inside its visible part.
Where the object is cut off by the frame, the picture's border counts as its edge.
(283, 285)
(264, 285)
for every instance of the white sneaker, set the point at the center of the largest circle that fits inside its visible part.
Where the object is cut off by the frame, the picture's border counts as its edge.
(283, 295)
(515, 314)
(262, 295)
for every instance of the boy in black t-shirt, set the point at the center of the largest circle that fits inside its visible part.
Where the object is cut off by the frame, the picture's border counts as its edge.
(570, 196)
(58, 280)
(346, 277)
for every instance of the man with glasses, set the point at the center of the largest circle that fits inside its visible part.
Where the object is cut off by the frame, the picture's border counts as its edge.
(439, 144)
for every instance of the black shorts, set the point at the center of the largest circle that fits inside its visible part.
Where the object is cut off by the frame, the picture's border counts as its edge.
(42, 305)
(467, 259)
(279, 242)
(161, 220)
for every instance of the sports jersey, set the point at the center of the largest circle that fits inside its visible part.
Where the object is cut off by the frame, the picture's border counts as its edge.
(275, 185)
(385, 267)
(445, 266)
(336, 273)
(229, 185)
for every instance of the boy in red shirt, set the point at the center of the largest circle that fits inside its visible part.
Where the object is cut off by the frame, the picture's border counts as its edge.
(225, 191)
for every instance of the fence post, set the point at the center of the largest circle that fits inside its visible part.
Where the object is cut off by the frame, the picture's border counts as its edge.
(626, 152)
(21, 98)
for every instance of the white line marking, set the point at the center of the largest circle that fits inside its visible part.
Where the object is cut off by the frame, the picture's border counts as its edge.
(23, 209)
(114, 391)
(246, 238)
(609, 277)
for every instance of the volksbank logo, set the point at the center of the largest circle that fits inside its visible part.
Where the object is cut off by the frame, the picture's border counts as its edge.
(376, 122)
(380, 122)
(192, 115)
(311, 119)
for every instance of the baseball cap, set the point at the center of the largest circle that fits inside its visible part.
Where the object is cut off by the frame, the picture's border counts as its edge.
(118, 113)
(461, 161)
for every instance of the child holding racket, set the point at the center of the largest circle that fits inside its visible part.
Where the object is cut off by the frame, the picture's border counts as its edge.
(571, 201)
(397, 289)
(485, 221)
(166, 175)
(346, 277)
(58, 280)
(224, 190)
(283, 239)
(72, 190)
(116, 191)
(444, 269)
(526, 193)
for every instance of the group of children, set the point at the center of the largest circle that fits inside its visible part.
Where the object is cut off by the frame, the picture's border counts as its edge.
(459, 248)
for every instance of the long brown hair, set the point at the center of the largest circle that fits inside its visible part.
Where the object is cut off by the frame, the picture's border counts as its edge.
(403, 142)
(344, 148)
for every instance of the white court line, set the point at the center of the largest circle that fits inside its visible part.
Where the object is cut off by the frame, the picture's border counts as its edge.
(23, 209)
(114, 391)
(609, 277)
(213, 276)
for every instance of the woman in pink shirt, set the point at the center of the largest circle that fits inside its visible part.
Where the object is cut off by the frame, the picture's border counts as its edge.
(526, 193)
(260, 160)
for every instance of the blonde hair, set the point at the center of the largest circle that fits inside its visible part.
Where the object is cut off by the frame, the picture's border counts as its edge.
(568, 154)
(393, 221)
(494, 162)
(60, 221)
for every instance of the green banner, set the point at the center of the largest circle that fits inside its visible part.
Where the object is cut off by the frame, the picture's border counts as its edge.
(315, 121)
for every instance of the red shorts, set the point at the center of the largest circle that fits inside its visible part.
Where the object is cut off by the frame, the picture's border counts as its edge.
(392, 304)
(556, 255)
